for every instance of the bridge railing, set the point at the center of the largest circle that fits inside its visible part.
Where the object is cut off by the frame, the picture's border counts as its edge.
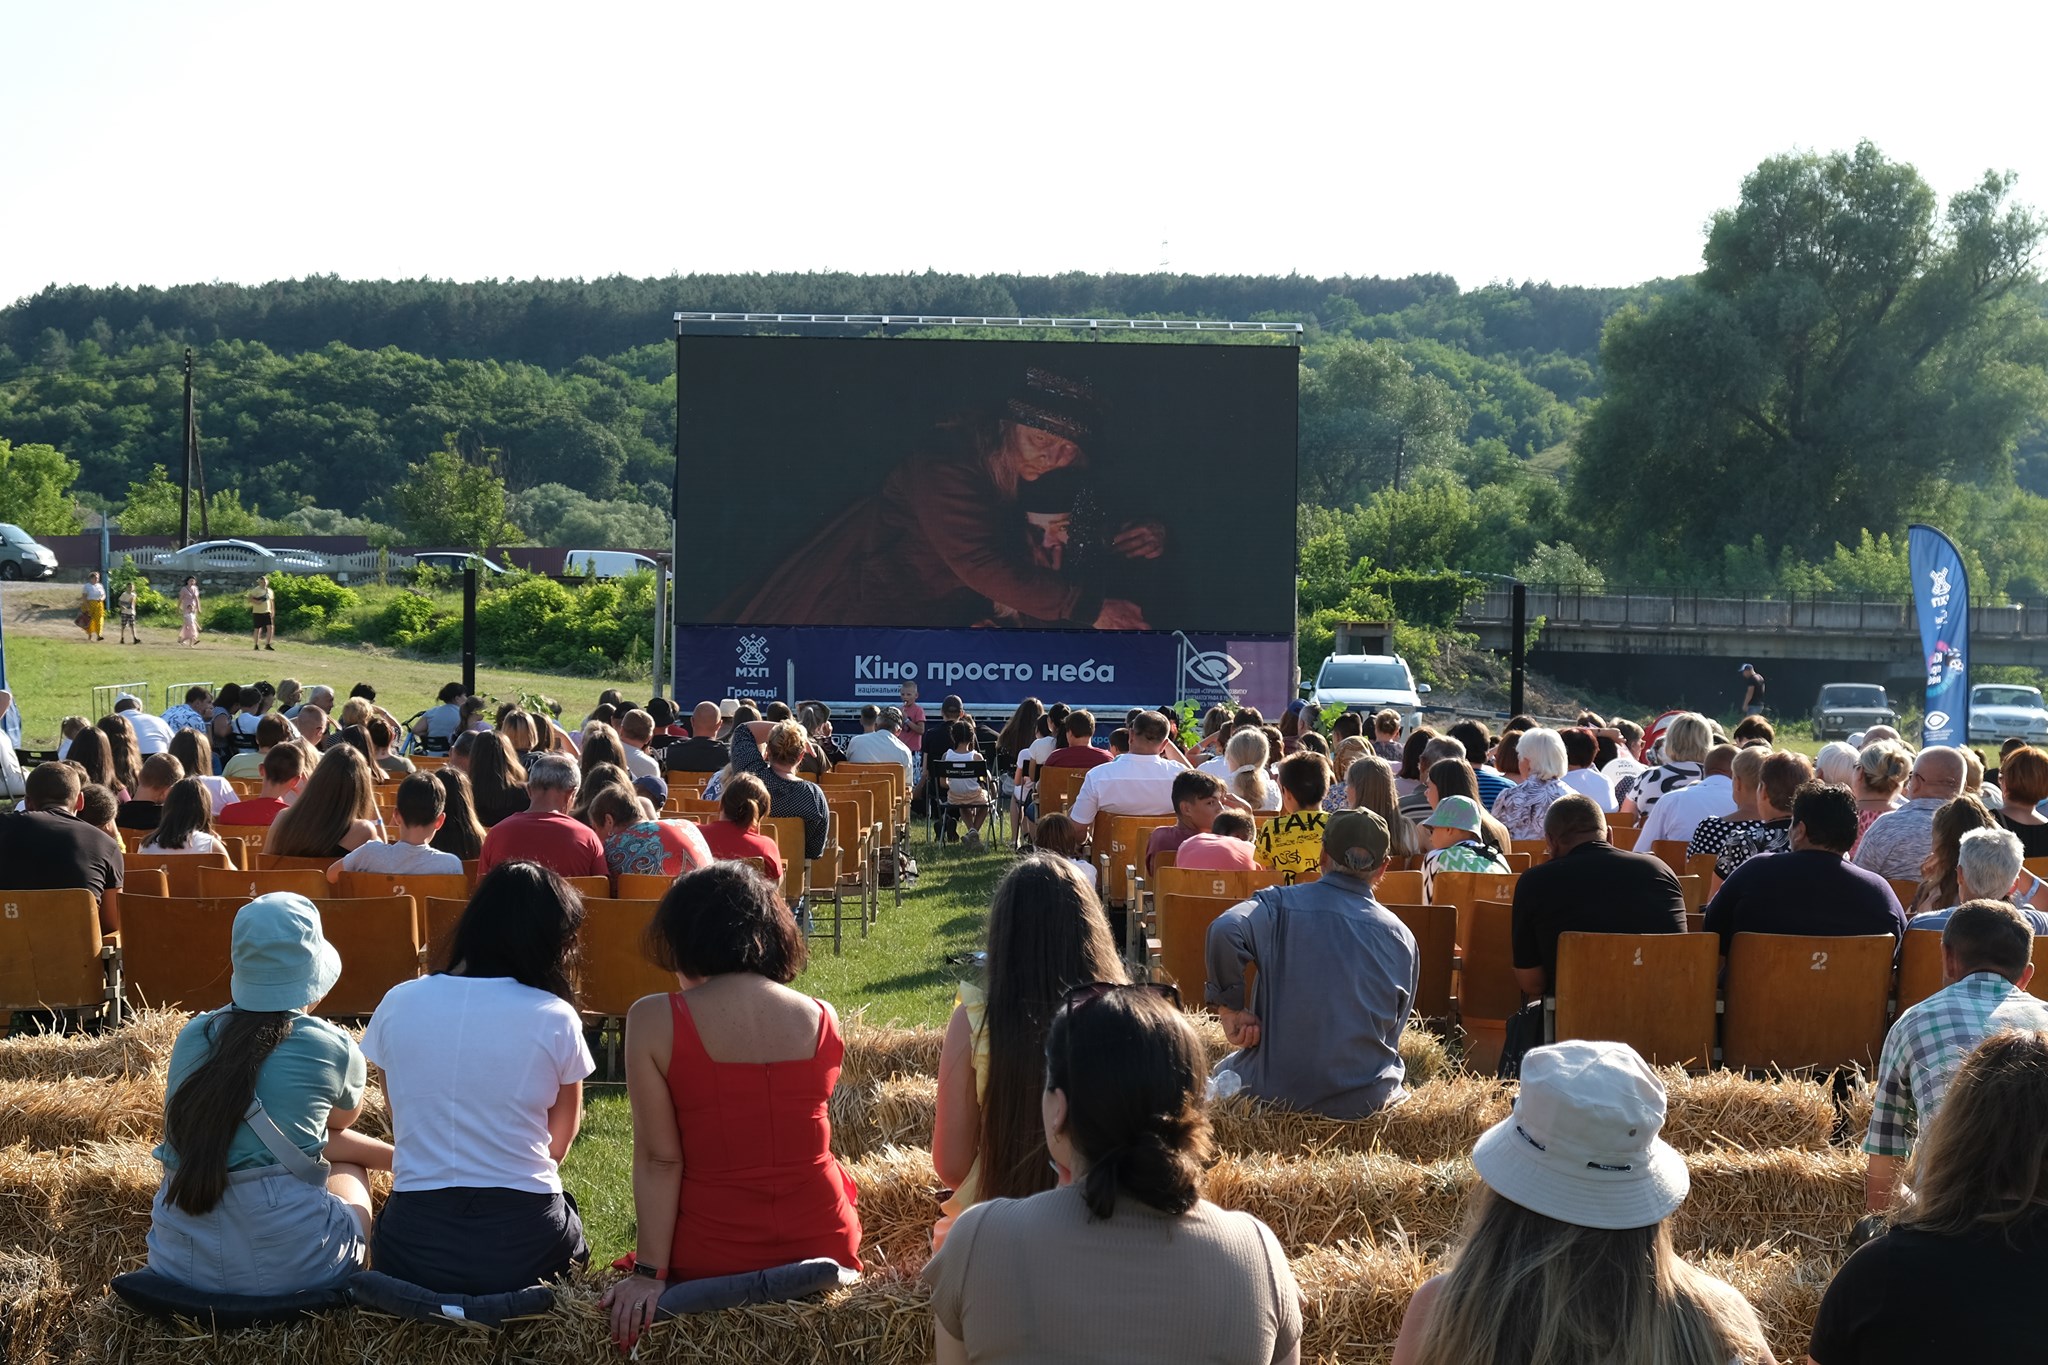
(1662, 609)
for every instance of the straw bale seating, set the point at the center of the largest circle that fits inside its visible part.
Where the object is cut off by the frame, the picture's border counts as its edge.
(1364, 1208)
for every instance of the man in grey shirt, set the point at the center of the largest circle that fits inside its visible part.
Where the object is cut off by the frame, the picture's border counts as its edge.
(1336, 981)
(1898, 841)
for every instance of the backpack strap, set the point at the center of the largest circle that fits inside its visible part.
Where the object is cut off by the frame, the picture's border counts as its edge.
(312, 1170)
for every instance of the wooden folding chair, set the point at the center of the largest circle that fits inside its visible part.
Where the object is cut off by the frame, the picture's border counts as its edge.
(692, 805)
(643, 886)
(1537, 849)
(54, 957)
(1057, 788)
(856, 843)
(1794, 1000)
(132, 840)
(1436, 949)
(1655, 992)
(616, 971)
(1466, 889)
(1693, 889)
(1183, 925)
(230, 883)
(181, 871)
(1488, 994)
(438, 917)
(1405, 887)
(378, 938)
(1517, 862)
(244, 841)
(892, 773)
(1906, 889)
(1621, 836)
(587, 887)
(799, 877)
(418, 885)
(1671, 852)
(144, 881)
(1700, 865)
(277, 862)
(1919, 965)
(176, 951)
(1118, 844)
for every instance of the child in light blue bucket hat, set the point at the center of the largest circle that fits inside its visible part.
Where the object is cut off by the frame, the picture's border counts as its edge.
(265, 1189)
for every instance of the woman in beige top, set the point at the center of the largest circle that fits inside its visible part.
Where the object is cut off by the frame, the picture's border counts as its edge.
(1053, 1277)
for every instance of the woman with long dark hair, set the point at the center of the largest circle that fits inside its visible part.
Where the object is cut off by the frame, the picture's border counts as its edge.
(124, 750)
(484, 1065)
(186, 825)
(274, 1200)
(497, 779)
(91, 750)
(336, 810)
(1973, 1243)
(460, 833)
(1047, 933)
(601, 744)
(194, 751)
(1567, 1253)
(1051, 1277)
(730, 1078)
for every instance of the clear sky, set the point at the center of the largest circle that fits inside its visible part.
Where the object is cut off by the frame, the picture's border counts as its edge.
(147, 143)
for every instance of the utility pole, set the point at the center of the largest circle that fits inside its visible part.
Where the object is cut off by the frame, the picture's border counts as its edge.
(185, 496)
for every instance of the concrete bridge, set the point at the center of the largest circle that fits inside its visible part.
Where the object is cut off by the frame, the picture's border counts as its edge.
(1687, 645)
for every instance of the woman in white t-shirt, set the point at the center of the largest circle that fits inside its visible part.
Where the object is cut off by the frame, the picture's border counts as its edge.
(186, 824)
(484, 1066)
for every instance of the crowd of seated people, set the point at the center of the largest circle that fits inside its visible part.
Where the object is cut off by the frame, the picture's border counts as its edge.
(1068, 1132)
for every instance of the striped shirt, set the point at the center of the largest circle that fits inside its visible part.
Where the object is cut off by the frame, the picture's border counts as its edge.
(1926, 1046)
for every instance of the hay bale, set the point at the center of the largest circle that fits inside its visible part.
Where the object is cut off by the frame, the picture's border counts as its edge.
(1425, 1056)
(883, 1320)
(1318, 1201)
(87, 1207)
(1726, 1109)
(33, 1300)
(876, 1051)
(137, 1048)
(1352, 1299)
(1783, 1286)
(898, 1203)
(895, 1112)
(1439, 1120)
(29, 1181)
(1743, 1199)
(64, 1113)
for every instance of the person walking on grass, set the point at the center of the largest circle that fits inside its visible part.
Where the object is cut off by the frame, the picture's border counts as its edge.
(188, 609)
(92, 612)
(262, 613)
(129, 634)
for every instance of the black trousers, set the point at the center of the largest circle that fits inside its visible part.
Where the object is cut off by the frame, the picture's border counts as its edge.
(477, 1241)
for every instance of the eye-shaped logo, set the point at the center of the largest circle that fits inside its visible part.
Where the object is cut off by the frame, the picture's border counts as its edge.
(1937, 720)
(753, 651)
(1205, 667)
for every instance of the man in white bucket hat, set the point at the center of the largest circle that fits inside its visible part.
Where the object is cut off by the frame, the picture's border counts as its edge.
(1565, 1254)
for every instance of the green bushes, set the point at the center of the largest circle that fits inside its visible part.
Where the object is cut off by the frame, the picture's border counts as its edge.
(306, 602)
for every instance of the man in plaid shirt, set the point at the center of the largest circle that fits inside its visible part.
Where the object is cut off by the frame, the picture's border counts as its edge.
(1986, 957)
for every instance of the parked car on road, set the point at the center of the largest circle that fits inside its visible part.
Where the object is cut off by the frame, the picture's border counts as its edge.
(2000, 711)
(239, 556)
(1841, 709)
(1369, 682)
(604, 563)
(21, 556)
(455, 561)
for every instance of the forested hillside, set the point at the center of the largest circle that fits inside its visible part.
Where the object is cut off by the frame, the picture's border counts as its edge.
(1854, 354)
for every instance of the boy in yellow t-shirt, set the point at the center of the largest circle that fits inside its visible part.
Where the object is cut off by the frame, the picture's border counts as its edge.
(1291, 843)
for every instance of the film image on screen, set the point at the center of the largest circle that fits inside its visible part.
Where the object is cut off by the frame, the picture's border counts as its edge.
(949, 485)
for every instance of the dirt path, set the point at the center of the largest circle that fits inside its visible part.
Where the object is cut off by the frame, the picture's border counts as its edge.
(40, 608)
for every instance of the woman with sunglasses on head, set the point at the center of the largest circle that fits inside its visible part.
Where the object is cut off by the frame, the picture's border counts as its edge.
(1056, 1276)
(729, 1079)
(1046, 934)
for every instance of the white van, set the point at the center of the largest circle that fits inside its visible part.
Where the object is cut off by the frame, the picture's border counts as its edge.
(1369, 682)
(604, 563)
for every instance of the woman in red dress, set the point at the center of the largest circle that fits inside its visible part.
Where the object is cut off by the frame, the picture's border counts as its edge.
(732, 1151)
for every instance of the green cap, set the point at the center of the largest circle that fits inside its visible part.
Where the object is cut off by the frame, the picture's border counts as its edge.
(1345, 830)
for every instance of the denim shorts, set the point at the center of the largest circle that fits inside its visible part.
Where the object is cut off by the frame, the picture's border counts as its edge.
(271, 1233)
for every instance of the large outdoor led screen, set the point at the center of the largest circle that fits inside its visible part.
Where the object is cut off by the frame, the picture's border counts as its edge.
(1023, 485)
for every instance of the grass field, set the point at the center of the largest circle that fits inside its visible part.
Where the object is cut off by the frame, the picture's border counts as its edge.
(53, 676)
(899, 973)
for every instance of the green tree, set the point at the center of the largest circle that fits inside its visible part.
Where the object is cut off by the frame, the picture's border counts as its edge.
(153, 505)
(1844, 353)
(448, 501)
(555, 514)
(1363, 408)
(35, 489)
(1561, 564)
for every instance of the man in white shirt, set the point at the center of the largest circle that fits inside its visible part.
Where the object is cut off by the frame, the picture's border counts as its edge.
(1712, 795)
(1579, 749)
(880, 745)
(152, 735)
(636, 728)
(13, 782)
(1137, 783)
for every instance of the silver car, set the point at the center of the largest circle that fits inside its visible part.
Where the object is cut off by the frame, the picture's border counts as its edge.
(21, 556)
